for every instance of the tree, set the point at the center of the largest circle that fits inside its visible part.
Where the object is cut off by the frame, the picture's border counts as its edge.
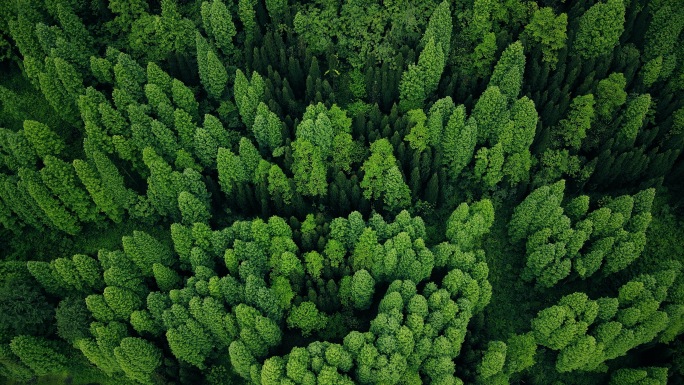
(610, 95)
(382, 178)
(39, 354)
(493, 359)
(267, 128)
(184, 98)
(491, 114)
(248, 94)
(247, 16)
(138, 358)
(218, 23)
(467, 225)
(549, 31)
(53, 208)
(309, 169)
(145, 250)
(157, 76)
(439, 28)
(651, 375)
(636, 112)
(212, 72)
(307, 318)
(508, 71)
(599, 29)
(573, 129)
(43, 140)
(192, 209)
(190, 343)
(420, 80)
(362, 289)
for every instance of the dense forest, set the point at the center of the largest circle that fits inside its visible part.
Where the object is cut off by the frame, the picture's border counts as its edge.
(342, 192)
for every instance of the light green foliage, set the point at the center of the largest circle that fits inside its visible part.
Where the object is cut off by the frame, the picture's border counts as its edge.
(362, 289)
(39, 354)
(192, 209)
(267, 128)
(44, 141)
(418, 137)
(145, 250)
(352, 192)
(493, 359)
(635, 115)
(190, 343)
(248, 94)
(104, 184)
(247, 15)
(310, 172)
(652, 375)
(467, 225)
(460, 138)
(382, 178)
(165, 277)
(600, 28)
(231, 170)
(508, 71)
(157, 76)
(307, 318)
(491, 113)
(138, 358)
(549, 31)
(51, 206)
(663, 30)
(421, 79)
(610, 95)
(218, 23)
(573, 129)
(122, 301)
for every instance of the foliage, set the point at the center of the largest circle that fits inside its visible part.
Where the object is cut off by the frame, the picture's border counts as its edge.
(341, 192)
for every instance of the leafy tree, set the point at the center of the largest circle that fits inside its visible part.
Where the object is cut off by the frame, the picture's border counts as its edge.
(362, 289)
(573, 129)
(144, 250)
(508, 71)
(218, 23)
(307, 318)
(610, 95)
(267, 128)
(248, 94)
(382, 178)
(138, 359)
(39, 355)
(310, 172)
(599, 29)
(549, 31)
(44, 141)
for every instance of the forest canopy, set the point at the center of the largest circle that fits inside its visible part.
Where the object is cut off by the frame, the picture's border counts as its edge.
(287, 192)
